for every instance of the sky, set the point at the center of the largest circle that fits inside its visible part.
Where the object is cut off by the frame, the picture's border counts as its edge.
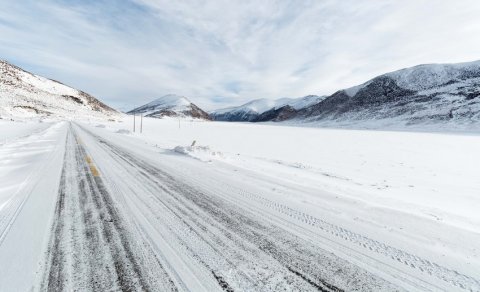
(224, 53)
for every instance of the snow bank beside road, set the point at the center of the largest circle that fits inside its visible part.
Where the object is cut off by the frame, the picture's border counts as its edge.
(11, 130)
(29, 176)
(203, 153)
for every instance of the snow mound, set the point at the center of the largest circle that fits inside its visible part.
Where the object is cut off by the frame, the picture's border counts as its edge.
(123, 131)
(203, 153)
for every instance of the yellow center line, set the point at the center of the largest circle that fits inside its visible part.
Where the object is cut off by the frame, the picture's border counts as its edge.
(93, 169)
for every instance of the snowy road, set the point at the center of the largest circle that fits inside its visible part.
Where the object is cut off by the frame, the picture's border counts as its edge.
(91, 247)
(139, 221)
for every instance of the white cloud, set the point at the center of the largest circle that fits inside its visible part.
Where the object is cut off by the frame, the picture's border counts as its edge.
(227, 52)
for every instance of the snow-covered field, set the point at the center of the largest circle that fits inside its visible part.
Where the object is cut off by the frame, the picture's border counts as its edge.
(432, 175)
(393, 209)
(417, 190)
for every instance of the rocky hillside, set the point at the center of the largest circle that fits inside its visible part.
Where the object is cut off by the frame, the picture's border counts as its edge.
(424, 94)
(265, 109)
(429, 94)
(283, 113)
(171, 106)
(23, 94)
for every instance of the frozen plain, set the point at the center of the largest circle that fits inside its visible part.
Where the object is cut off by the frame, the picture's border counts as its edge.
(248, 207)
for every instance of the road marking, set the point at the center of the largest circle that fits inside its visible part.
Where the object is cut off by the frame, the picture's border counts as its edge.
(94, 170)
(92, 166)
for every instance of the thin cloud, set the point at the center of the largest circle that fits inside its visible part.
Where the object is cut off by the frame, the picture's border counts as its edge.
(221, 53)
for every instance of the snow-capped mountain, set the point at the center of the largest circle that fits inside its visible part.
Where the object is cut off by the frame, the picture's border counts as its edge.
(420, 95)
(171, 105)
(424, 94)
(252, 111)
(23, 94)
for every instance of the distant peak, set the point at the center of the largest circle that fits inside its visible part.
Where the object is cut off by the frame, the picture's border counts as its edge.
(173, 96)
(171, 100)
(171, 105)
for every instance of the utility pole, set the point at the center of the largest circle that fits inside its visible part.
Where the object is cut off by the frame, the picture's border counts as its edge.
(141, 123)
(134, 122)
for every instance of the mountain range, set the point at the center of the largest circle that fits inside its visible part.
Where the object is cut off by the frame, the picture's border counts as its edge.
(23, 94)
(431, 93)
(424, 94)
(257, 110)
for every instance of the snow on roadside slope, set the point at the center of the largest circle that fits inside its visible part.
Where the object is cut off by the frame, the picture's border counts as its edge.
(11, 130)
(29, 176)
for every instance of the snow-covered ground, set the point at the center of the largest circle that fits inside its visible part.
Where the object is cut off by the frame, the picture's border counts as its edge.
(428, 174)
(417, 190)
(392, 209)
(30, 165)
(23, 147)
(11, 130)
